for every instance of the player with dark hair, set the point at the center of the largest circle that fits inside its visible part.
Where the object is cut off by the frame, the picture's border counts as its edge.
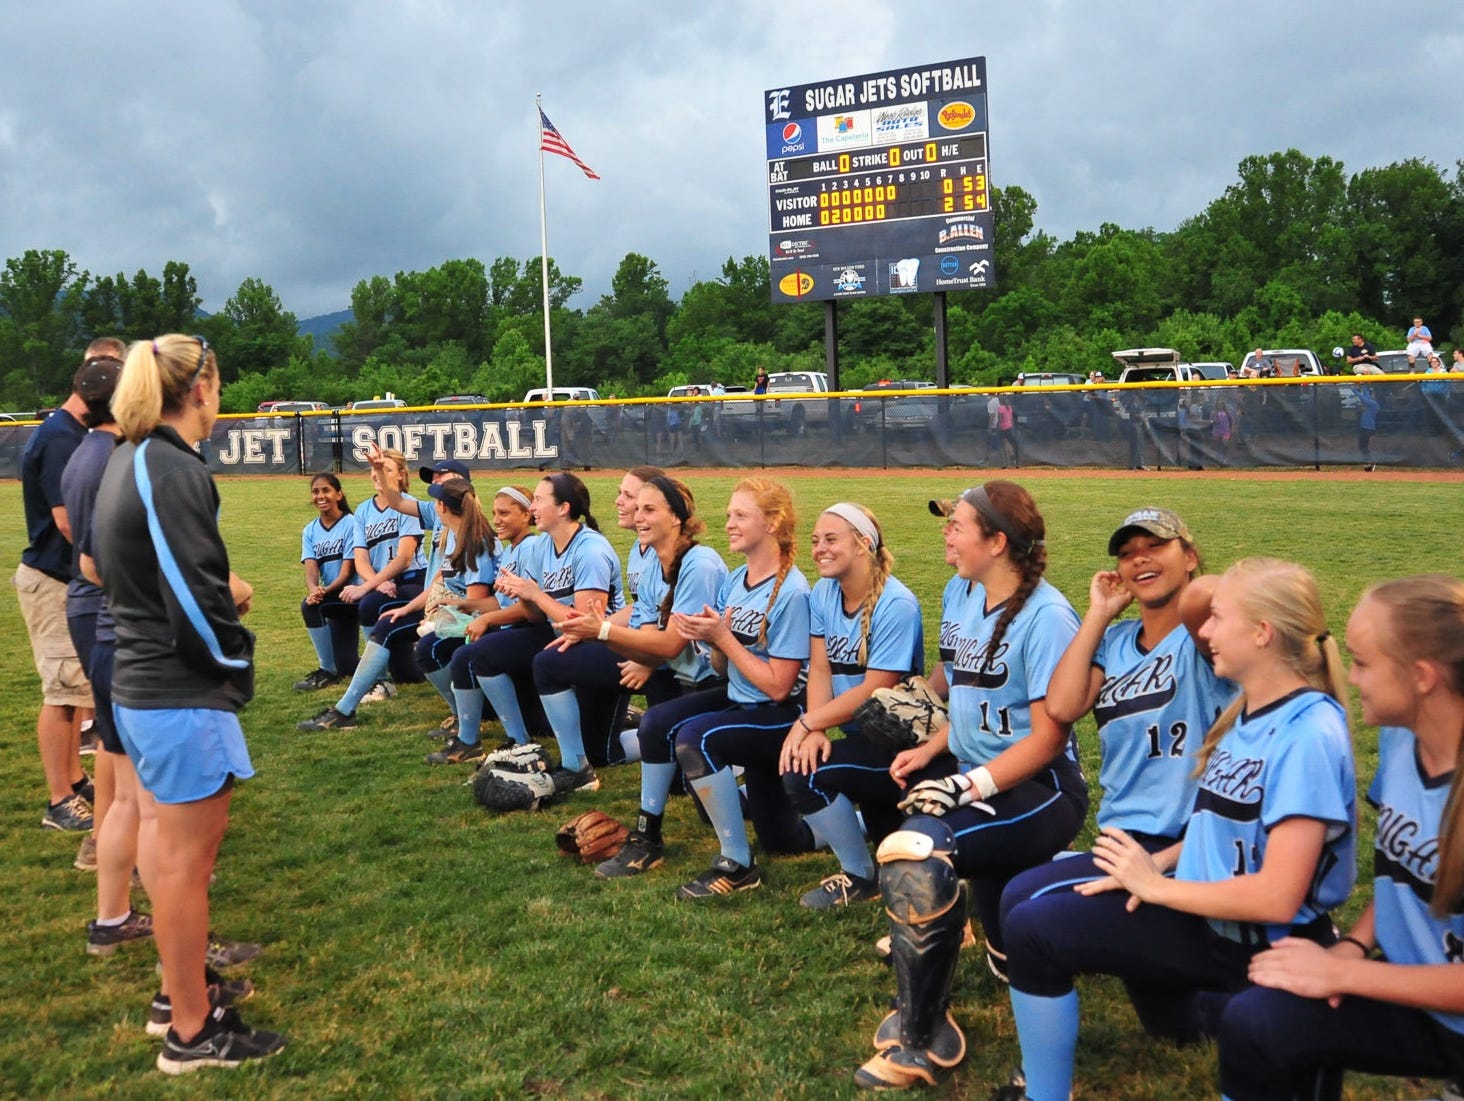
(1269, 849)
(1152, 689)
(183, 669)
(578, 571)
(1387, 998)
(461, 569)
(1001, 781)
(325, 552)
(865, 633)
(597, 661)
(390, 571)
(756, 627)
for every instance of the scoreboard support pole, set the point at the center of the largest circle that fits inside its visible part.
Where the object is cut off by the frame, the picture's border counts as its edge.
(831, 342)
(831, 363)
(942, 361)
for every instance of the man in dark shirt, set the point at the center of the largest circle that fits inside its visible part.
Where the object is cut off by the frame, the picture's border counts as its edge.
(1362, 353)
(40, 585)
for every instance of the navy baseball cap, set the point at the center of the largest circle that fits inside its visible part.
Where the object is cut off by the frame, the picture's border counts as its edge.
(447, 466)
(1161, 523)
(451, 492)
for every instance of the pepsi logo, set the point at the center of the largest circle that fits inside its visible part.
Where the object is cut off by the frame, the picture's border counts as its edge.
(792, 132)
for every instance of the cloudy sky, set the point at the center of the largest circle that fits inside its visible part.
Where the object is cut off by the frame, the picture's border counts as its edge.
(315, 144)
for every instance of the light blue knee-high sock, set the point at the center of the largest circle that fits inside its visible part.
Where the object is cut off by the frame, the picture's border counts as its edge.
(723, 803)
(838, 827)
(1048, 1031)
(562, 711)
(441, 679)
(468, 705)
(500, 692)
(656, 786)
(373, 664)
(324, 653)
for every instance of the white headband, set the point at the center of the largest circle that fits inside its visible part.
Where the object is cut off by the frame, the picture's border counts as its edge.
(513, 494)
(854, 516)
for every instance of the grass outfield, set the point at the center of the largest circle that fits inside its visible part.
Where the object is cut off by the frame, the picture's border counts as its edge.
(420, 948)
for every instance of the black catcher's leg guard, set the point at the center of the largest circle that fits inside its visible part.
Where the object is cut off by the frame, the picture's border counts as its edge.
(926, 903)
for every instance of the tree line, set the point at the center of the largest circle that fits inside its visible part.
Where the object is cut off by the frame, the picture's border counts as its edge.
(1294, 253)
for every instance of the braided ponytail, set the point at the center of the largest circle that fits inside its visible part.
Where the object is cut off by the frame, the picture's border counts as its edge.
(1017, 517)
(776, 504)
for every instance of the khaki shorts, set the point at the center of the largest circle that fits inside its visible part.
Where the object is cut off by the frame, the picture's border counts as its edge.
(43, 606)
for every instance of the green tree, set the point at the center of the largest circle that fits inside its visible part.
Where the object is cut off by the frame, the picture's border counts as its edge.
(41, 294)
(254, 333)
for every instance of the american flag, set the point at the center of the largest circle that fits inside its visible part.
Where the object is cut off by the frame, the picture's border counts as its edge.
(551, 141)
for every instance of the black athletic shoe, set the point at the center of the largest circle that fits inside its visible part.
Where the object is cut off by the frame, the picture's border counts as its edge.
(86, 789)
(456, 753)
(224, 1042)
(103, 940)
(568, 780)
(329, 719)
(230, 953)
(90, 742)
(72, 813)
(317, 680)
(221, 992)
(638, 854)
(724, 877)
(840, 889)
(1015, 1090)
(448, 728)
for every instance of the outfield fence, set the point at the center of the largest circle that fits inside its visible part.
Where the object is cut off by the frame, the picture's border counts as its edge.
(1260, 423)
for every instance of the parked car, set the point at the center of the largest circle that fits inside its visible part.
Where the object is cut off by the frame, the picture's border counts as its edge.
(461, 399)
(1216, 370)
(1286, 362)
(1160, 365)
(794, 404)
(285, 408)
(375, 405)
(1055, 411)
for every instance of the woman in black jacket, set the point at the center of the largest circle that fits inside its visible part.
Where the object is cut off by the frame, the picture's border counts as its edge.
(183, 669)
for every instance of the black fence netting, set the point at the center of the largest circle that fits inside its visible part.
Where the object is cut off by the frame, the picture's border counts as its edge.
(1281, 423)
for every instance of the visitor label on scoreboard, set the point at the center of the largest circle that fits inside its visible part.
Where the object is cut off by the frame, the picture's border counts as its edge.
(880, 184)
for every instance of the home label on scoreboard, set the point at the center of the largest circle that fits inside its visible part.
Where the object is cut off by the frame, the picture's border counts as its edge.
(880, 184)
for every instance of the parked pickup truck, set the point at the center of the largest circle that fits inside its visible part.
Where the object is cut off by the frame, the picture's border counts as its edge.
(795, 403)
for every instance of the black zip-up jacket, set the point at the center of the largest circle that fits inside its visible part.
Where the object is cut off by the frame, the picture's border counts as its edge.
(156, 542)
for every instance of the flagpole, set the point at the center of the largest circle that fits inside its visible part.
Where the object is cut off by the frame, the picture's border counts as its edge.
(544, 254)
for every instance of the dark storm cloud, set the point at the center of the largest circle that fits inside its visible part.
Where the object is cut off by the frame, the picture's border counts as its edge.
(317, 145)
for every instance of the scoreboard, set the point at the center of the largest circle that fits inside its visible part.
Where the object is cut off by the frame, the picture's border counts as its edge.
(879, 184)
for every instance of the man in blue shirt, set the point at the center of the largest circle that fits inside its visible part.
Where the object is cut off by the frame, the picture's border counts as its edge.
(40, 586)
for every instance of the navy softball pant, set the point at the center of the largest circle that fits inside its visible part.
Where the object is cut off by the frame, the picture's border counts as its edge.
(399, 636)
(711, 733)
(509, 652)
(591, 670)
(1274, 1044)
(859, 770)
(1045, 894)
(343, 621)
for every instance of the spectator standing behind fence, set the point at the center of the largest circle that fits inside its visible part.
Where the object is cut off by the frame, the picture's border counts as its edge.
(1420, 341)
(760, 382)
(1222, 428)
(1367, 424)
(1006, 427)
